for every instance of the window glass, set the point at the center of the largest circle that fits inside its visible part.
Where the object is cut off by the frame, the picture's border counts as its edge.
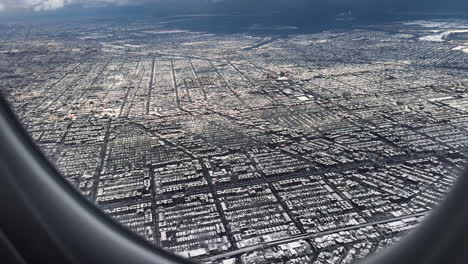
(315, 135)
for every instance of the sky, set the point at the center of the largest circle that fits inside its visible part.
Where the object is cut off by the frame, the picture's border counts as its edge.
(303, 7)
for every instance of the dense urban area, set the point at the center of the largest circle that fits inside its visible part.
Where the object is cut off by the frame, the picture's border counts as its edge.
(268, 146)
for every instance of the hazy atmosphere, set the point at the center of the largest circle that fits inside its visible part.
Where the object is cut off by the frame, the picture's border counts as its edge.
(364, 7)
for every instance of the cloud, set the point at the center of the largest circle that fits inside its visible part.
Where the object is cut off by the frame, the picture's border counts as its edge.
(36, 5)
(48, 4)
(43, 5)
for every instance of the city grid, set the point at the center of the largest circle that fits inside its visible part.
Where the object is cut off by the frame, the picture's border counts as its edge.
(268, 146)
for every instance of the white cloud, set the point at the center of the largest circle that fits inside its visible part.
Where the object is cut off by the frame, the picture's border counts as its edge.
(48, 4)
(36, 5)
(41, 5)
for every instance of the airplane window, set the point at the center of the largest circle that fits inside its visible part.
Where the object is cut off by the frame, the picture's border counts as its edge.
(235, 132)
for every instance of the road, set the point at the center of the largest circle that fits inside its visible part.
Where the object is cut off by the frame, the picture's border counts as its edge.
(307, 236)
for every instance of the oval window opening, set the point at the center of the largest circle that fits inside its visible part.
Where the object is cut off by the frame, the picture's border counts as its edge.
(225, 134)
